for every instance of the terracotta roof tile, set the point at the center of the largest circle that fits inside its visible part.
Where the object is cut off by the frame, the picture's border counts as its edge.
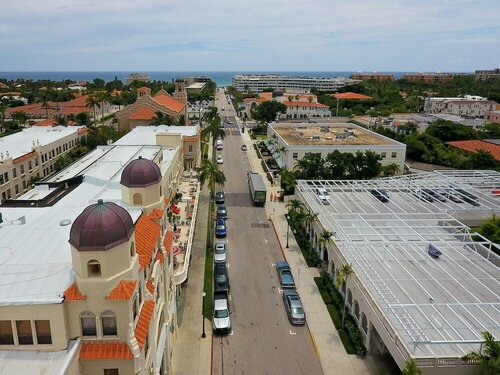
(159, 256)
(124, 290)
(169, 102)
(475, 145)
(142, 327)
(304, 104)
(143, 113)
(24, 157)
(73, 294)
(151, 286)
(48, 122)
(351, 96)
(104, 350)
(147, 233)
(156, 214)
(168, 241)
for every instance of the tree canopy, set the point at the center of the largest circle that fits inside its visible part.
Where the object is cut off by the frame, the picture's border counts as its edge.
(266, 112)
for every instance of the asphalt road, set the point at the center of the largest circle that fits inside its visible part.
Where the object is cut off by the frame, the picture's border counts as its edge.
(262, 340)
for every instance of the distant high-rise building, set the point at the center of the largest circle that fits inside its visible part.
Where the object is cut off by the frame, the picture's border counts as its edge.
(373, 76)
(487, 74)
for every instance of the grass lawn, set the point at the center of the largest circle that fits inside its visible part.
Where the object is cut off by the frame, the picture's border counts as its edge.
(260, 136)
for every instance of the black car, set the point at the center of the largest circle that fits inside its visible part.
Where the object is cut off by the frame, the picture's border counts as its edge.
(434, 195)
(381, 194)
(221, 279)
(222, 212)
(468, 197)
(220, 197)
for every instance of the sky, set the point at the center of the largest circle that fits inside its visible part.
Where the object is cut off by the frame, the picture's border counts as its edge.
(257, 35)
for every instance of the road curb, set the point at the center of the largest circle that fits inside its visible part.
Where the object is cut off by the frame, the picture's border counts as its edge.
(278, 238)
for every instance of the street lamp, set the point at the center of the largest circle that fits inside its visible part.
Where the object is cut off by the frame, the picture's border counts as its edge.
(203, 335)
(287, 228)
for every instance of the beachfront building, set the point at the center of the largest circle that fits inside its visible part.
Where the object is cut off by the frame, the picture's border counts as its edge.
(143, 111)
(258, 82)
(324, 138)
(493, 116)
(187, 137)
(297, 105)
(380, 77)
(31, 154)
(427, 77)
(469, 105)
(487, 74)
(97, 253)
(424, 284)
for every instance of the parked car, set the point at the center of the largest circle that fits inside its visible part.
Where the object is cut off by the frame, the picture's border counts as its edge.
(293, 307)
(221, 279)
(442, 193)
(221, 322)
(434, 195)
(423, 196)
(285, 275)
(220, 159)
(222, 212)
(220, 197)
(381, 194)
(468, 197)
(243, 147)
(220, 228)
(220, 253)
(322, 195)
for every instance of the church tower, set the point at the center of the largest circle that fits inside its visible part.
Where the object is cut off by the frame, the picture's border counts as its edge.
(180, 93)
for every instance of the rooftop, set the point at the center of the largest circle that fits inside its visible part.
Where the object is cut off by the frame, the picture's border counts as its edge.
(435, 307)
(146, 135)
(350, 96)
(475, 145)
(307, 134)
(37, 268)
(21, 143)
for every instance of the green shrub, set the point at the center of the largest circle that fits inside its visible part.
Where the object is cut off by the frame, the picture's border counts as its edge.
(348, 346)
(335, 315)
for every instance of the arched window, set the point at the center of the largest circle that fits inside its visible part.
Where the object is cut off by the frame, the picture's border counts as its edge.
(343, 288)
(108, 323)
(87, 319)
(137, 199)
(332, 267)
(356, 309)
(364, 323)
(94, 268)
(349, 297)
(132, 250)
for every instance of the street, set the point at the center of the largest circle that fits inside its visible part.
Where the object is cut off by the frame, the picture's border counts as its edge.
(262, 340)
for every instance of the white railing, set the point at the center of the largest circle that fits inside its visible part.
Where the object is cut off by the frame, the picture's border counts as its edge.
(181, 276)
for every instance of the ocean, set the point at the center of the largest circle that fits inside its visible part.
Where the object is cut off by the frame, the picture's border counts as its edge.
(221, 78)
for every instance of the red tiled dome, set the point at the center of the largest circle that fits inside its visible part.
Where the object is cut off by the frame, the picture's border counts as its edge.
(140, 173)
(100, 227)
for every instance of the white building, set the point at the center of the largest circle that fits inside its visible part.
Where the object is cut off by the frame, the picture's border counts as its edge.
(104, 303)
(471, 106)
(258, 82)
(32, 153)
(405, 301)
(324, 138)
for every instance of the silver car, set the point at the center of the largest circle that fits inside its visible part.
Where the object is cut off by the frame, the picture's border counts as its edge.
(220, 254)
(293, 307)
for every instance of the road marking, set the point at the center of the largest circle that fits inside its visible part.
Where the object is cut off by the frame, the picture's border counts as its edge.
(232, 332)
(230, 298)
(292, 333)
(273, 265)
(280, 290)
(265, 240)
(227, 264)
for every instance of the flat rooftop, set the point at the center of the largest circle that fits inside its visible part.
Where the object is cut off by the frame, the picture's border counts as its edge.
(146, 135)
(307, 134)
(436, 307)
(21, 143)
(35, 256)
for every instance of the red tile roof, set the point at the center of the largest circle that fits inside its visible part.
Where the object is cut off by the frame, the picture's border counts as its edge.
(304, 104)
(24, 157)
(104, 350)
(351, 96)
(258, 100)
(124, 290)
(73, 294)
(168, 240)
(147, 233)
(143, 89)
(143, 113)
(156, 214)
(151, 286)
(142, 327)
(169, 102)
(475, 145)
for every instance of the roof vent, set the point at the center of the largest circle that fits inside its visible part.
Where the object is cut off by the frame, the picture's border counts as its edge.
(65, 222)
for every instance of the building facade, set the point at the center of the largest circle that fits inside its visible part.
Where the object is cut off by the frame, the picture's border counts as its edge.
(101, 296)
(301, 139)
(472, 106)
(258, 82)
(493, 117)
(427, 77)
(373, 76)
(32, 154)
(487, 74)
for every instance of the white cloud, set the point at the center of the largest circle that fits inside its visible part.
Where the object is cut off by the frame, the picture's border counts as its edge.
(269, 35)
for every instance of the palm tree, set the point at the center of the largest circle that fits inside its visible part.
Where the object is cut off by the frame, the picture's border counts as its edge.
(310, 219)
(214, 130)
(161, 119)
(211, 174)
(297, 97)
(93, 102)
(60, 120)
(287, 181)
(345, 271)
(46, 106)
(3, 108)
(325, 238)
(101, 97)
(488, 355)
(411, 368)
(294, 205)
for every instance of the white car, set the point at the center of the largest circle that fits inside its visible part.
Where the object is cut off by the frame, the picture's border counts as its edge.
(220, 160)
(220, 254)
(322, 196)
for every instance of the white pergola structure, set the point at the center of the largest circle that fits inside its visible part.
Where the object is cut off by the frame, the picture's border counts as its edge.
(429, 309)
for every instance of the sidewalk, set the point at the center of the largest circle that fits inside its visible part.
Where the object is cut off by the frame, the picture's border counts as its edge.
(331, 352)
(191, 353)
